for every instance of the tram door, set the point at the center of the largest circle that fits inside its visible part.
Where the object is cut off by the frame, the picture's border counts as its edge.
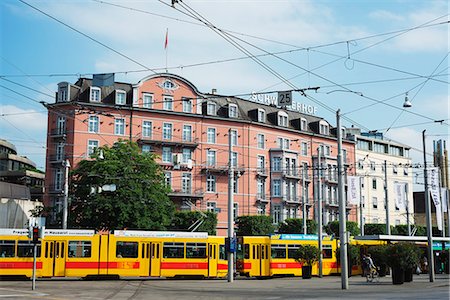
(212, 260)
(145, 259)
(155, 259)
(256, 259)
(54, 258)
(265, 260)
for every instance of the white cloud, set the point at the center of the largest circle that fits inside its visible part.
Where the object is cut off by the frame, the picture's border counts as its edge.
(385, 15)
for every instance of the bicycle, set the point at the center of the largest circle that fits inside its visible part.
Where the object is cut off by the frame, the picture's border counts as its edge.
(373, 275)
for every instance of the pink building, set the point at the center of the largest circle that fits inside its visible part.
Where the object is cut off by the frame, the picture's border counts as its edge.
(274, 150)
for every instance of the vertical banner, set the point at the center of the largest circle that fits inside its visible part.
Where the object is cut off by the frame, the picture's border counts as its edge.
(444, 199)
(400, 195)
(353, 192)
(433, 179)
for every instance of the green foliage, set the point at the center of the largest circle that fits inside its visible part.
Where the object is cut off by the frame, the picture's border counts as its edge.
(183, 220)
(140, 200)
(332, 228)
(296, 226)
(378, 254)
(307, 254)
(403, 255)
(375, 229)
(353, 254)
(254, 225)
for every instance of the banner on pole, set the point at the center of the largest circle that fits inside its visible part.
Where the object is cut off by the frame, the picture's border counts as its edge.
(400, 195)
(433, 178)
(444, 199)
(353, 193)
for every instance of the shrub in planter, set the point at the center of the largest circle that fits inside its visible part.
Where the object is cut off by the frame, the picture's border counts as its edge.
(307, 255)
(353, 257)
(378, 254)
(402, 257)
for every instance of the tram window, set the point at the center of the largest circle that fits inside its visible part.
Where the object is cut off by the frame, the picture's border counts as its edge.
(195, 250)
(254, 252)
(79, 249)
(62, 249)
(292, 249)
(157, 250)
(46, 249)
(278, 251)
(222, 253)
(173, 250)
(263, 252)
(143, 251)
(327, 251)
(7, 248)
(25, 249)
(246, 251)
(126, 249)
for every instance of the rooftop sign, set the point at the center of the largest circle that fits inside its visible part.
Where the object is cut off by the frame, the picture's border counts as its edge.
(273, 100)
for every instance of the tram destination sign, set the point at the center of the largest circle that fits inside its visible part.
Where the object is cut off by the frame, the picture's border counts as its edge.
(269, 99)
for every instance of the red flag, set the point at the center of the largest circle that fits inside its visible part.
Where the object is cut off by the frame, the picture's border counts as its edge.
(167, 39)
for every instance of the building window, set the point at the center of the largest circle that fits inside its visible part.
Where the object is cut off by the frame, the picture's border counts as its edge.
(168, 179)
(147, 129)
(167, 131)
(260, 140)
(59, 179)
(375, 220)
(234, 159)
(232, 111)
(261, 115)
(276, 166)
(211, 206)
(93, 124)
(186, 183)
(211, 183)
(234, 137)
(147, 100)
(63, 94)
(95, 94)
(364, 145)
(167, 102)
(187, 155)
(261, 209)
(92, 145)
(344, 155)
(211, 158)
(187, 133)
(360, 164)
(363, 201)
(121, 97)
(261, 189)
(276, 192)
(303, 124)
(59, 152)
(166, 154)
(61, 126)
(146, 148)
(372, 165)
(119, 126)
(394, 169)
(282, 119)
(261, 163)
(235, 185)
(211, 108)
(374, 183)
(276, 214)
(304, 149)
(380, 148)
(374, 202)
(187, 105)
(235, 210)
(211, 136)
(283, 143)
(323, 128)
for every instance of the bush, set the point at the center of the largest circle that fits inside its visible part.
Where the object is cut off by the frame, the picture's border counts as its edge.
(375, 229)
(332, 228)
(182, 220)
(352, 254)
(403, 255)
(378, 254)
(307, 255)
(254, 225)
(296, 226)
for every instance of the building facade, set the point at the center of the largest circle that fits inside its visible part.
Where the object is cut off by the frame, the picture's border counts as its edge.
(380, 162)
(274, 151)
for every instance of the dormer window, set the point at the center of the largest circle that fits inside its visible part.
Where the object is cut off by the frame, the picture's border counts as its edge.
(147, 100)
(261, 115)
(95, 94)
(324, 128)
(63, 92)
(303, 124)
(282, 119)
(211, 109)
(121, 97)
(232, 111)
(169, 85)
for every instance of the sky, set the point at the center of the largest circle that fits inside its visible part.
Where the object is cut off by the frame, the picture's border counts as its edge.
(363, 55)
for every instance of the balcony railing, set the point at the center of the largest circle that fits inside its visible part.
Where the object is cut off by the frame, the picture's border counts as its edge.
(58, 132)
(191, 143)
(292, 173)
(292, 199)
(187, 193)
(56, 159)
(261, 197)
(261, 172)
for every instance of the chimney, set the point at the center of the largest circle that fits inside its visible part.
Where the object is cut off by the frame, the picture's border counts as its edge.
(213, 91)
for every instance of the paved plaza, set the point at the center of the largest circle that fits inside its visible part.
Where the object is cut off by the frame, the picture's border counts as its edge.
(242, 288)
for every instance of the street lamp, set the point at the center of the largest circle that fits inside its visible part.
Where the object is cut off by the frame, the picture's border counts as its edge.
(66, 194)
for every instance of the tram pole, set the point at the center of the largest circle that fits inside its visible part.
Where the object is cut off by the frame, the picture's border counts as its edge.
(319, 206)
(230, 208)
(304, 199)
(428, 214)
(342, 207)
(388, 225)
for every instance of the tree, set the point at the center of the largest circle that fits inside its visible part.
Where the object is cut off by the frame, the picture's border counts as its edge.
(332, 228)
(296, 226)
(183, 220)
(254, 225)
(139, 201)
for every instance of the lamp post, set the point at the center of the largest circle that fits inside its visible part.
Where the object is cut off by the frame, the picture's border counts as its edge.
(319, 206)
(428, 214)
(66, 194)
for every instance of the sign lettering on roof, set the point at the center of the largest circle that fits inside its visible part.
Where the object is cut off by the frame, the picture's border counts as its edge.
(166, 234)
(273, 100)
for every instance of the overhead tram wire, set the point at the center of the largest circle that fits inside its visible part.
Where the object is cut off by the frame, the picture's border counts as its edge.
(27, 87)
(89, 37)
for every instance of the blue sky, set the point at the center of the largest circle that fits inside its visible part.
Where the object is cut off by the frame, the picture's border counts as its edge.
(380, 49)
